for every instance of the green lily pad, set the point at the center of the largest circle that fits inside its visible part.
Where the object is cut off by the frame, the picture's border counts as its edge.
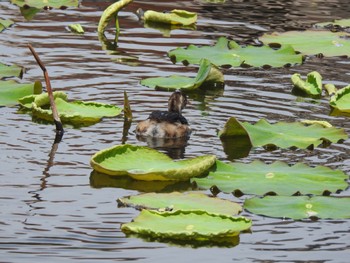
(46, 3)
(341, 100)
(284, 134)
(174, 17)
(143, 163)
(312, 42)
(10, 71)
(227, 52)
(187, 226)
(278, 178)
(312, 86)
(74, 112)
(299, 207)
(5, 24)
(76, 28)
(341, 23)
(180, 201)
(11, 91)
(208, 74)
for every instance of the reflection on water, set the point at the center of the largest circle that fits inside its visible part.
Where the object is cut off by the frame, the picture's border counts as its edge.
(49, 207)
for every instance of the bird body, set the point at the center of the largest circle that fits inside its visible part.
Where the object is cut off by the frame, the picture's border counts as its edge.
(167, 124)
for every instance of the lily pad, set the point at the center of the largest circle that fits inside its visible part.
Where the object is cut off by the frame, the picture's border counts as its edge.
(187, 226)
(312, 86)
(227, 52)
(11, 91)
(341, 100)
(76, 28)
(46, 3)
(10, 71)
(286, 135)
(277, 178)
(143, 163)
(174, 17)
(341, 23)
(5, 24)
(312, 42)
(208, 74)
(299, 207)
(74, 112)
(180, 201)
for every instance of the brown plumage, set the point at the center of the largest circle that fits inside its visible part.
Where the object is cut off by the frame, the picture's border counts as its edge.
(167, 124)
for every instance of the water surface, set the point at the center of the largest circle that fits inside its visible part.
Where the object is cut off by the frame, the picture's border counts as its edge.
(54, 208)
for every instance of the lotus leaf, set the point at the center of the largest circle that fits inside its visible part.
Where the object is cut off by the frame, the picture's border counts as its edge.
(5, 24)
(110, 13)
(312, 86)
(75, 112)
(187, 226)
(342, 23)
(11, 91)
(46, 3)
(180, 201)
(230, 53)
(143, 163)
(285, 135)
(312, 42)
(174, 17)
(341, 100)
(10, 71)
(299, 207)
(279, 178)
(208, 74)
(76, 28)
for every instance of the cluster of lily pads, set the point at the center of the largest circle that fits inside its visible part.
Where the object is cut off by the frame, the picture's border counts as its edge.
(196, 216)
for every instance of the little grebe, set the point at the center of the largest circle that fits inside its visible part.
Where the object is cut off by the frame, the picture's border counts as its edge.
(167, 124)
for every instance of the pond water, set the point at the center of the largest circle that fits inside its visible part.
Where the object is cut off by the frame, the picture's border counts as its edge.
(53, 208)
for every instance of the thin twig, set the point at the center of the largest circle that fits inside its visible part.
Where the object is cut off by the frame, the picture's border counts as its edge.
(56, 117)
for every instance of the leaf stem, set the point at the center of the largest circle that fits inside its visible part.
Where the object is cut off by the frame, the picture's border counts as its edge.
(56, 117)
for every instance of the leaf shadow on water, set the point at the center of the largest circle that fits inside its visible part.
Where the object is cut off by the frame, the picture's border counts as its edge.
(218, 242)
(100, 180)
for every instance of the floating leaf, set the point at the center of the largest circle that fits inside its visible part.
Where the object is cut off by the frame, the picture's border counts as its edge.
(285, 135)
(341, 100)
(208, 74)
(312, 42)
(11, 91)
(76, 28)
(46, 3)
(235, 139)
(266, 56)
(299, 207)
(279, 178)
(10, 71)
(75, 112)
(180, 201)
(5, 24)
(312, 86)
(187, 226)
(174, 17)
(340, 23)
(143, 163)
(230, 53)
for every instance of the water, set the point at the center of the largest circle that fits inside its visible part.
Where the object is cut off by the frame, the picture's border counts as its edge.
(54, 209)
